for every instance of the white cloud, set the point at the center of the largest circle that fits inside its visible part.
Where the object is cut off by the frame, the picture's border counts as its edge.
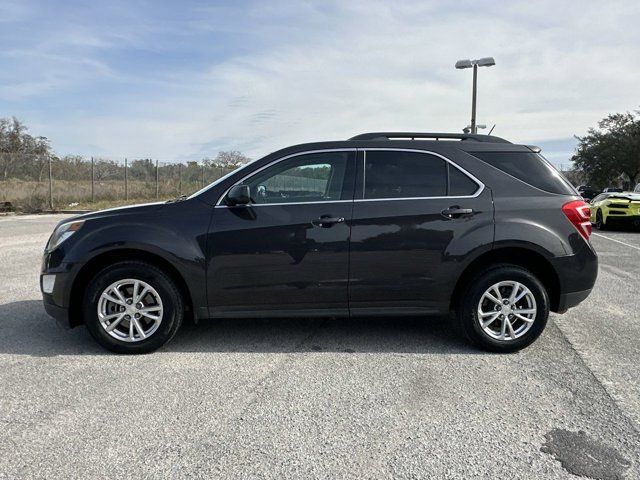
(325, 70)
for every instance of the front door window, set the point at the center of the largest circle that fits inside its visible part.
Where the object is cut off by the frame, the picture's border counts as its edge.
(315, 177)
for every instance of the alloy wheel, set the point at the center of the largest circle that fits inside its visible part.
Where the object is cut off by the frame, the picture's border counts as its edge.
(130, 310)
(506, 310)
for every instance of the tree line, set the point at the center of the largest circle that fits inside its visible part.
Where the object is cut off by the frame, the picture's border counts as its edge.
(25, 156)
(610, 153)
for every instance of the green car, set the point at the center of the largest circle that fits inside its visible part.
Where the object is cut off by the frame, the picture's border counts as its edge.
(615, 209)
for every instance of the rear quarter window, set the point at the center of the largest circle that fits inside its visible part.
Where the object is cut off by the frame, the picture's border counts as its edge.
(460, 184)
(529, 167)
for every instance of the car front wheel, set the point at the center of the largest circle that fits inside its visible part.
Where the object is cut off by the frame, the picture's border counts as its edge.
(600, 225)
(504, 309)
(132, 307)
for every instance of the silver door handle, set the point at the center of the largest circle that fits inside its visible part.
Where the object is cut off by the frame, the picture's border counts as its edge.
(455, 211)
(327, 221)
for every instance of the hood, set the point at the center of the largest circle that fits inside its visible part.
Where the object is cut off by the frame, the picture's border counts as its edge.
(117, 211)
(617, 197)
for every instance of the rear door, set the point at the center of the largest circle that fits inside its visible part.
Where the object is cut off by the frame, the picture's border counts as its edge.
(288, 251)
(416, 216)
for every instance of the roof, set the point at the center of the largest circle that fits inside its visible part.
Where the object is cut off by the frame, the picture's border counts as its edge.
(387, 136)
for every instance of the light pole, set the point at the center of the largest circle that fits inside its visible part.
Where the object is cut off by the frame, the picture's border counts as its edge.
(482, 62)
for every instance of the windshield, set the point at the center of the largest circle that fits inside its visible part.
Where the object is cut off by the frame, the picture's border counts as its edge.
(221, 179)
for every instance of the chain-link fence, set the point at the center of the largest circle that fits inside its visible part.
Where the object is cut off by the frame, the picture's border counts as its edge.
(33, 183)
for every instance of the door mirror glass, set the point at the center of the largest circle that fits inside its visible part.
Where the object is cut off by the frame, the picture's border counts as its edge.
(239, 195)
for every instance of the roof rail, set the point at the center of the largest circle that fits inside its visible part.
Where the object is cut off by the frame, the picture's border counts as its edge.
(434, 136)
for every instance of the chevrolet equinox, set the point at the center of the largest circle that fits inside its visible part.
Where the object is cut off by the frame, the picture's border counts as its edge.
(381, 224)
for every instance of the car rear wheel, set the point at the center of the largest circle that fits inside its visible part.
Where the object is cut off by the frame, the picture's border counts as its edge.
(504, 309)
(132, 307)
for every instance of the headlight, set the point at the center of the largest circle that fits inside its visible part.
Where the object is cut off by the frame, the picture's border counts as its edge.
(62, 232)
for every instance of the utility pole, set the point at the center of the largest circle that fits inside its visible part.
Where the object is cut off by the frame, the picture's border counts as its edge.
(50, 185)
(126, 181)
(474, 96)
(93, 181)
(482, 62)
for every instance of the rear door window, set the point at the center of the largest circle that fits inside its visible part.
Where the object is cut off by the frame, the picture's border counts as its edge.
(529, 167)
(398, 174)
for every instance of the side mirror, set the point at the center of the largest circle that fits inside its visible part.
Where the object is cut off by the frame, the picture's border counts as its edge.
(239, 195)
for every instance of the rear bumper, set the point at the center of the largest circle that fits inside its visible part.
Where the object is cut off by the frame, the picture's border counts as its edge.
(577, 275)
(571, 299)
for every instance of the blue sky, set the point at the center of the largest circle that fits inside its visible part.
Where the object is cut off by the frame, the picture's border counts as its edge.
(183, 80)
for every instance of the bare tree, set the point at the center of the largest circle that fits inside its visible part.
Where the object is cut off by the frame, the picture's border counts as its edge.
(18, 149)
(230, 159)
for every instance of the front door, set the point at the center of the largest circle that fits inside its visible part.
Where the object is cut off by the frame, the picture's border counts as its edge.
(287, 253)
(405, 247)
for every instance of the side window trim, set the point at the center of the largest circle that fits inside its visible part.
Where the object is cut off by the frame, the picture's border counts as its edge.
(219, 203)
(364, 173)
(449, 163)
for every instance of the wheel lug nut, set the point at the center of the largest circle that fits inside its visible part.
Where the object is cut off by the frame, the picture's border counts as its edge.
(501, 316)
(129, 301)
(127, 317)
(137, 315)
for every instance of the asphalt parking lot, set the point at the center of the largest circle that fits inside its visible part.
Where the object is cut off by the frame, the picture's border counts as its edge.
(320, 398)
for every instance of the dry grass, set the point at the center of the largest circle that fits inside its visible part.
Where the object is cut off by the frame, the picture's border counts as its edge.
(31, 196)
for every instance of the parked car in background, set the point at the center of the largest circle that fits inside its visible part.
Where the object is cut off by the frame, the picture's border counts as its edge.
(615, 209)
(613, 190)
(587, 192)
(381, 224)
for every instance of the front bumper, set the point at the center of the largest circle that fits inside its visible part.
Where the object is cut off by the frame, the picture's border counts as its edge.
(60, 314)
(57, 300)
(613, 219)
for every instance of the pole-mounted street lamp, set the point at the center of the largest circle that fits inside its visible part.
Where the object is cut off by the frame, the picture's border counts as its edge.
(482, 62)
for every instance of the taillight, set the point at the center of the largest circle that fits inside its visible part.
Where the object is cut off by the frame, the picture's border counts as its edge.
(578, 214)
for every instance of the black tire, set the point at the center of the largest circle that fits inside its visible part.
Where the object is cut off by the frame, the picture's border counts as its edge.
(172, 301)
(467, 311)
(600, 225)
